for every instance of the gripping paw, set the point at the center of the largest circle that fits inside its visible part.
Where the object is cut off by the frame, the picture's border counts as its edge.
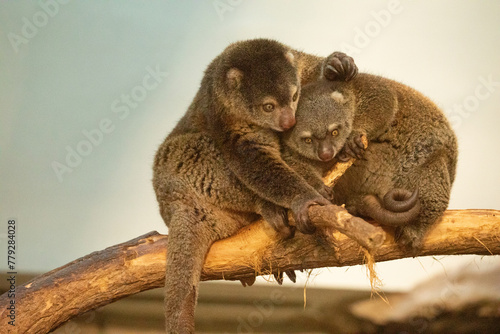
(277, 217)
(301, 214)
(339, 67)
(290, 273)
(410, 238)
(353, 147)
(326, 192)
(247, 281)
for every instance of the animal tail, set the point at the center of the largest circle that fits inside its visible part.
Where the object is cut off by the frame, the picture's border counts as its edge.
(399, 207)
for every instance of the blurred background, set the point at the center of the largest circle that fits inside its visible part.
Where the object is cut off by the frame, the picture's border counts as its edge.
(88, 91)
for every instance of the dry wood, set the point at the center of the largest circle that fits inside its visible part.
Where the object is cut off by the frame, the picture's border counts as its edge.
(137, 265)
(102, 277)
(335, 218)
(339, 169)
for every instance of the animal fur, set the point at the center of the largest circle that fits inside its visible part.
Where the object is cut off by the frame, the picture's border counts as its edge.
(404, 177)
(221, 165)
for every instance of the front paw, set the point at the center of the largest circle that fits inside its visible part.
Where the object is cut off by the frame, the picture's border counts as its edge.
(353, 147)
(277, 217)
(301, 214)
(326, 192)
(339, 67)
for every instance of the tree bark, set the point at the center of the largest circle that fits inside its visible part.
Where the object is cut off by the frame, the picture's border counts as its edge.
(139, 264)
(102, 277)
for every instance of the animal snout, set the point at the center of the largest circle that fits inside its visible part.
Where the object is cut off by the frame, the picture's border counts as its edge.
(287, 118)
(326, 154)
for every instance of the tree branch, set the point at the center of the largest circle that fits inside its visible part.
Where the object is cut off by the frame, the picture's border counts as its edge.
(139, 264)
(102, 277)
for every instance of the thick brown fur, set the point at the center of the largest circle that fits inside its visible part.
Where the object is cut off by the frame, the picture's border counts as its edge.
(404, 177)
(221, 165)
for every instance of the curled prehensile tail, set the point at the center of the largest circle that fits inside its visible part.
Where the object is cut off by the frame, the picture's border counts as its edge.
(398, 207)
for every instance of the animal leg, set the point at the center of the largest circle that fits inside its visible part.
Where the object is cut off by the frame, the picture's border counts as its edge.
(434, 186)
(192, 230)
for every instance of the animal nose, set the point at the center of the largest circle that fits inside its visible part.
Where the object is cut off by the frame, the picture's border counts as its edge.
(287, 118)
(326, 154)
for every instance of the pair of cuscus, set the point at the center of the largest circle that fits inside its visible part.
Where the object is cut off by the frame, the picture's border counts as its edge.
(237, 154)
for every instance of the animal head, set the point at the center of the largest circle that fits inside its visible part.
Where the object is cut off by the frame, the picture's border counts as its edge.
(324, 121)
(260, 83)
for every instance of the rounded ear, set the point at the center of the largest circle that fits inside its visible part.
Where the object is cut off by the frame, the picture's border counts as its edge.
(290, 57)
(338, 97)
(234, 77)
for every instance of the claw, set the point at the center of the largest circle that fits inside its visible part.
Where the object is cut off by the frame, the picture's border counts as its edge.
(358, 151)
(348, 68)
(301, 213)
(331, 73)
(337, 63)
(306, 228)
(326, 192)
(353, 147)
(349, 151)
(353, 69)
(248, 281)
(343, 157)
(291, 275)
(340, 66)
(358, 146)
(279, 277)
(358, 140)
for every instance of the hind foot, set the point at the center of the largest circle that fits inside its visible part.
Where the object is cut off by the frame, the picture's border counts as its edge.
(410, 238)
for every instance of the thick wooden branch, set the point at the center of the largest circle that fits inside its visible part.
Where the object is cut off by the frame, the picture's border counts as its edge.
(102, 277)
(137, 265)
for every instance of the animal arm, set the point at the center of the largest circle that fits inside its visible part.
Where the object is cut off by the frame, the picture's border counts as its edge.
(277, 173)
(102, 277)
(139, 264)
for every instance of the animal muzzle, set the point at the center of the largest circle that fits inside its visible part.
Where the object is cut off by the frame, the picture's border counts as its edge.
(326, 153)
(286, 118)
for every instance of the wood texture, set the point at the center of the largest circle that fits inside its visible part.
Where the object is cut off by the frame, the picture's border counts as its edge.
(139, 264)
(102, 277)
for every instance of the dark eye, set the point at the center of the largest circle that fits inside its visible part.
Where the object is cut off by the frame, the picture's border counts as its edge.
(295, 96)
(268, 107)
(308, 140)
(335, 132)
